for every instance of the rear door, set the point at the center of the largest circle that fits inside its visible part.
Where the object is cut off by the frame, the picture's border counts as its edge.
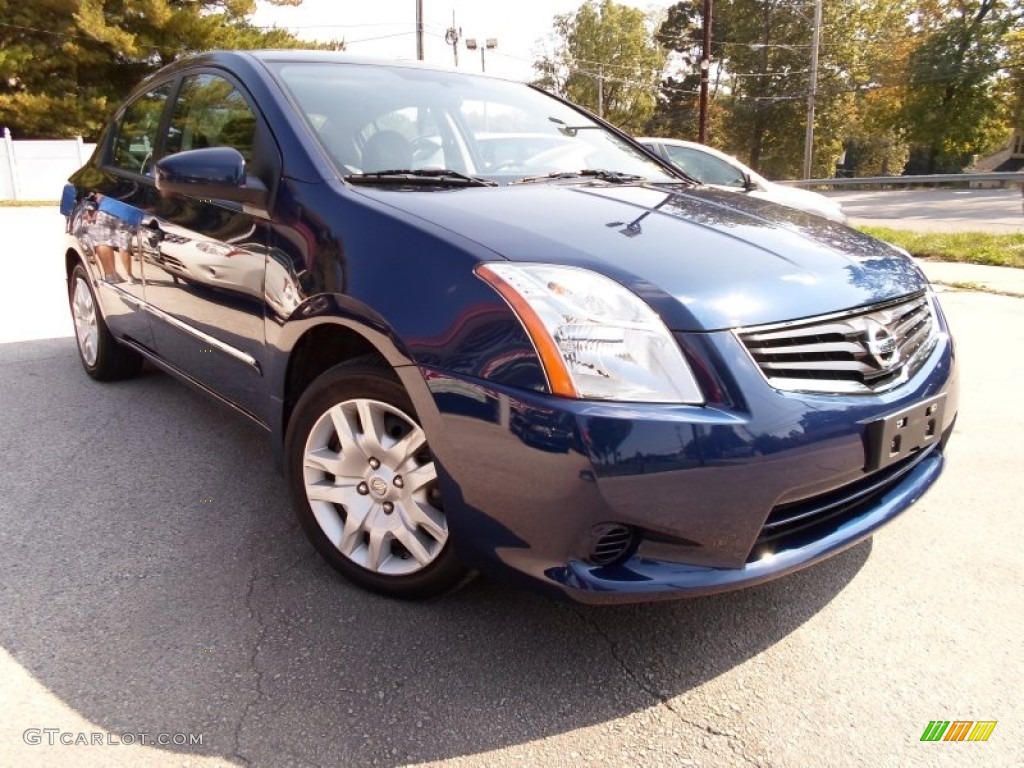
(114, 191)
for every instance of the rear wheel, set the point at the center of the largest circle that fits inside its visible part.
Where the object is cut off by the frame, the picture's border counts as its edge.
(364, 483)
(102, 356)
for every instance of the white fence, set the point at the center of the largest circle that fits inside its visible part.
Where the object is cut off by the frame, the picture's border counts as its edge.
(37, 170)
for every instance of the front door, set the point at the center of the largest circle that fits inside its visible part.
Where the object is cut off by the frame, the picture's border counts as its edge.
(205, 283)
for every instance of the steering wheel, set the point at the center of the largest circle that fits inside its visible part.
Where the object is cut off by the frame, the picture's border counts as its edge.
(507, 165)
(424, 147)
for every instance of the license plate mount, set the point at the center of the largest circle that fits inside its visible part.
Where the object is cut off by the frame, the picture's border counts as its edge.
(904, 433)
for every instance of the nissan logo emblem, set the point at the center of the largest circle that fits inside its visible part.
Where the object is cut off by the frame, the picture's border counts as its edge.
(881, 345)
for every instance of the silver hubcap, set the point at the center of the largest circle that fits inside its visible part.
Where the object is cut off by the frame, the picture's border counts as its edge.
(83, 311)
(372, 487)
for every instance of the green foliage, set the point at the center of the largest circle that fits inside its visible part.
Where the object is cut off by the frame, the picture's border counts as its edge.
(64, 64)
(767, 56)
(954, 106)
(970, 247)
(926, 81)
(677, 112)
(604, 53)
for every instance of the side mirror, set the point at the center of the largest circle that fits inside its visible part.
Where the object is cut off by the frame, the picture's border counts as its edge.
(749, 185)
(214, 172)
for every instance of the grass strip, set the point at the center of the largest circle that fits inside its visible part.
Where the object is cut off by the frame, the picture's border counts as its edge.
(998, 250)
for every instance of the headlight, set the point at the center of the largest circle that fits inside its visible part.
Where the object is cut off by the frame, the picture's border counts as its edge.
(594, 337)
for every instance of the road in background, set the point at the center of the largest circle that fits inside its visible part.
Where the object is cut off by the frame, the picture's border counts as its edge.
(936, 210)
(153, 580)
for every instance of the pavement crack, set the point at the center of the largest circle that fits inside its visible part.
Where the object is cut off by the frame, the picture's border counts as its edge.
(651, 690)
(261, 633)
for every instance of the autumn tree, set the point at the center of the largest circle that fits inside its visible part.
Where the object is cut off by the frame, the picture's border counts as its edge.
(605, 59)
(1014, 42)
(874, 61)
(64, 64)
(761, 77)
(954, 108)
(678, 107)
(767, 56)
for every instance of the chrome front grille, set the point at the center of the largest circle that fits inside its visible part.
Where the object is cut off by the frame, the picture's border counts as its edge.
(867, 350)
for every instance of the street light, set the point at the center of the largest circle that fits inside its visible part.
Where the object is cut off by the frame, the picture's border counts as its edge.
(490, 42)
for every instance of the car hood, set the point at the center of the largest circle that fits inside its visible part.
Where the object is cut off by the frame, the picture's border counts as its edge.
(704, 259)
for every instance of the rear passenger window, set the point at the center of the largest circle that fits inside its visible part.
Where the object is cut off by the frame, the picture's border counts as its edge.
(137, 132)
(210, 112)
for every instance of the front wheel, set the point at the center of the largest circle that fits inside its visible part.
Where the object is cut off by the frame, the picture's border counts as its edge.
(364, 483)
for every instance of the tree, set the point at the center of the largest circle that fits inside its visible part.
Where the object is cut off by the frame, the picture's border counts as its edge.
(1014, 42)
(954, 107)
(678, 108)
(875, 62)
(64, 64)
(763, 54)
(767, 58)
(604, 59)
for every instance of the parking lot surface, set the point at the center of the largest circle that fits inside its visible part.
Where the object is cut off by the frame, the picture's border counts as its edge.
(153, 581)
(935, 210)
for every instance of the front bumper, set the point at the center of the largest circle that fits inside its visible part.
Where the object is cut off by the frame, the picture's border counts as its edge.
(643, 578)
(528, 478)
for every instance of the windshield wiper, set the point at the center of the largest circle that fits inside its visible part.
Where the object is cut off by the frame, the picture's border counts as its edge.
(588, 173)
(421, 176)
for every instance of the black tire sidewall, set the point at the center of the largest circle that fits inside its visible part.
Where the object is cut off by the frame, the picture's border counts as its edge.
(113, 360)
(373, 381)
(100, 369)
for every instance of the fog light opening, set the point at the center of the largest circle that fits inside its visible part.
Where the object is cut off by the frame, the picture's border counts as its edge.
(613, 543)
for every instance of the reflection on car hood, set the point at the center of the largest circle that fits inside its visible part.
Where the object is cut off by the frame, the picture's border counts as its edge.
(704, 259)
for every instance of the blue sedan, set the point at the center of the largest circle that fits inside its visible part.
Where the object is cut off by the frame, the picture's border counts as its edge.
(564, 363)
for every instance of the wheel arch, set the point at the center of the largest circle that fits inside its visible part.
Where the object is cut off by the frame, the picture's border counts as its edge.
(73, 254)
(306, 348)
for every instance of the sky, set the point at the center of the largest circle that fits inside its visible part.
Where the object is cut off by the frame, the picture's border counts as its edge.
(387, 28)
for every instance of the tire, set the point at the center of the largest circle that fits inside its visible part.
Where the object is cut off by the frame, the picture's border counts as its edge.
(367, 497)
(102, 356)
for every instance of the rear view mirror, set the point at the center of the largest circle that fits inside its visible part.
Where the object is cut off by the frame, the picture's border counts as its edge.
(214, 172)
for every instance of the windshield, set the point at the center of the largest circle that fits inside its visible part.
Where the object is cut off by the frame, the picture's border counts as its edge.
(372, 119)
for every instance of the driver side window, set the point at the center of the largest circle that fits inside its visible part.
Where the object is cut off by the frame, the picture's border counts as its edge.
(136, 134)
(210, 112)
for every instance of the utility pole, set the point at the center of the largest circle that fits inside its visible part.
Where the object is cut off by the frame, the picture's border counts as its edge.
(600, 92)
(705, 67)
(419, 29)
(452, 38)
(812, 92)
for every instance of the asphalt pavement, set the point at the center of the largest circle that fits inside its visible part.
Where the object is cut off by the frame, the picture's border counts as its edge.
(153, 581)
(935, 210)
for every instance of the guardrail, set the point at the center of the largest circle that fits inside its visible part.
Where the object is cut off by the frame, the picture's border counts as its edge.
(1011, 177)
